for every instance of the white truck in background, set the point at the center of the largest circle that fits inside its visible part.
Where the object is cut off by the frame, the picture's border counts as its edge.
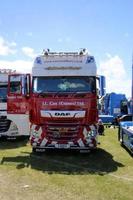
(10, 126)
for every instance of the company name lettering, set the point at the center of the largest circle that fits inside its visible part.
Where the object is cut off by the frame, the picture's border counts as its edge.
(62, 114)
(64, 103)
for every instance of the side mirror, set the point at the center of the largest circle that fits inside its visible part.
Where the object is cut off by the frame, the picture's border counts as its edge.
(26, 85)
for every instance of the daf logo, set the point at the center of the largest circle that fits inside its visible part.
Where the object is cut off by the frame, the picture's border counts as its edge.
(62, 114)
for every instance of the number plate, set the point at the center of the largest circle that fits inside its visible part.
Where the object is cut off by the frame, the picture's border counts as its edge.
(63, 146)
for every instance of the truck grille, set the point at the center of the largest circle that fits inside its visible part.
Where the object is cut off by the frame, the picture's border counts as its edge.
(4, 125)
(63, 131)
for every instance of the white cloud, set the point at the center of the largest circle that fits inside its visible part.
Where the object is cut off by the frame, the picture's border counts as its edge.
(116, 78)
(108, 55)
(13, 44)
(18, 65)
(6, 47)
(29, 52)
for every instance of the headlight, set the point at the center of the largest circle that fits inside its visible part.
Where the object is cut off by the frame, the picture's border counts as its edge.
(92, 133)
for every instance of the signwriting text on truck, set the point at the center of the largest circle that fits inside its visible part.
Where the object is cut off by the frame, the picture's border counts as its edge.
(61, 101)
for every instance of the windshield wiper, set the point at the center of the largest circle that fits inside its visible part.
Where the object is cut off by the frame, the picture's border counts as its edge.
(79, 93)
(62, 93)
(66, 93)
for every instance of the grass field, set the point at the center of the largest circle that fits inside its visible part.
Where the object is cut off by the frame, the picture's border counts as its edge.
(106, 173)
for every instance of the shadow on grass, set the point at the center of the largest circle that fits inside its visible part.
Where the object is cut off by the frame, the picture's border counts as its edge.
(101, 162)
(15, 143)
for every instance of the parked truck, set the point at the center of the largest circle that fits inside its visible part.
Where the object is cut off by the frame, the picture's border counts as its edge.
(7, 126)
(112, 106)
(125, 131)
(61, 102)
(11, 126)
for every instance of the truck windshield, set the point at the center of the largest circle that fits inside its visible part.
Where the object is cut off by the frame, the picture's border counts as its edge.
(64, 84)
(3, 93)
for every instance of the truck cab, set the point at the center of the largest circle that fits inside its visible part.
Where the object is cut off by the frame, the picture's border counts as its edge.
(11, 126)
(65, 97)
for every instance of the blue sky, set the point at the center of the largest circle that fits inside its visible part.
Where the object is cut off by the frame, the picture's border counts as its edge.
(104, 27)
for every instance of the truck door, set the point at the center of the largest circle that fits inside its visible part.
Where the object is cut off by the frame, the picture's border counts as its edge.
(18, 93)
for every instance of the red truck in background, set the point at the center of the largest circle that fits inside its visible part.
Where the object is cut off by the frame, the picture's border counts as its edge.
(60, 101)
(11, 126)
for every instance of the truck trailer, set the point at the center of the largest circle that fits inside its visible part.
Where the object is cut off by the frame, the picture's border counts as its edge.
(61, 101)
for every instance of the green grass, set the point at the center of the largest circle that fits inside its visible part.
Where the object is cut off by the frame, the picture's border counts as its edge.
(106, 173)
